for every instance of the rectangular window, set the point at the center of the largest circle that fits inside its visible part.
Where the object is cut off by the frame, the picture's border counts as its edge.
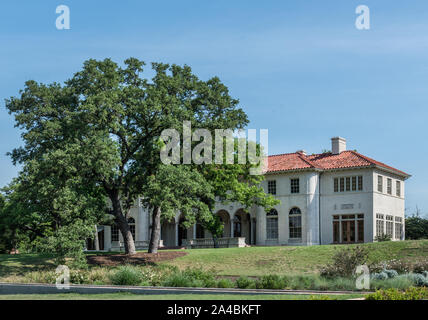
(114, 233)
(389, 186)
(336, 185)
(389, 225)
(398, 187)
(379, 183)
(336, 231)
(342, 184)
(360, 183)
(272, 228)
(360, 230)
(295, 185)
(354, 183)
(398, 228)
(295, 227)
(379, 224)
(348, 184)
(272, 186)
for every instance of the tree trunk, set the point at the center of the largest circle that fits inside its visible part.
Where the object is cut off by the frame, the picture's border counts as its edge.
(123, 225)
(96, 240)
(215, 239)
(155, 236)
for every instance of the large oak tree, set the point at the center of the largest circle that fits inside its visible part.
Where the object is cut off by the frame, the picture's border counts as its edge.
(112, 117)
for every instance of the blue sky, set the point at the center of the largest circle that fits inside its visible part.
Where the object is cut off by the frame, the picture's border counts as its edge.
(300, 68)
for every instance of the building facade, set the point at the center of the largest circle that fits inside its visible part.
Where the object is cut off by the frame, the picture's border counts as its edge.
(333, 197)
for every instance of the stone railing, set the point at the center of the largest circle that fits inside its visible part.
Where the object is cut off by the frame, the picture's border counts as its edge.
(237, 242)
(139, 245)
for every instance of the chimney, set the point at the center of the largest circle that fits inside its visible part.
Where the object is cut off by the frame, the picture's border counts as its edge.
(338, 144)
(301, 152)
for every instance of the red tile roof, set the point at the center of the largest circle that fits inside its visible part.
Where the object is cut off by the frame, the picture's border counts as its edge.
(324, 161)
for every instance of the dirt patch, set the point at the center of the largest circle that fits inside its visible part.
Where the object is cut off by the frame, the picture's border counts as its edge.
(140, 258)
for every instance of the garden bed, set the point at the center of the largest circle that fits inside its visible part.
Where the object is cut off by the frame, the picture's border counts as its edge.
(140, 258)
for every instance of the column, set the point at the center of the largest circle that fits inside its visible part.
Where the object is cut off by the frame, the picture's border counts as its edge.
(107, 238)
(176, 234)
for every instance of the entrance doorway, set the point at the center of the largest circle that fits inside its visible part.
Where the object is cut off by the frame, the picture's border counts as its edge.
(348, 231)
(348, 228)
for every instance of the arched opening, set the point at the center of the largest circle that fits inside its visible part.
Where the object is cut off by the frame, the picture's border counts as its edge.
(225, 219)
(182, 231)
(242, 225)
(168, 233)
(200, 231)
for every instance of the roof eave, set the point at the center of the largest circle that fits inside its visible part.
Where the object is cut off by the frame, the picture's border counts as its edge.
(398, 173)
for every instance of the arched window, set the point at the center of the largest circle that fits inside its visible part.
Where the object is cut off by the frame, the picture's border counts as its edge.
(131, 223)
(295, 223)
(272, 225)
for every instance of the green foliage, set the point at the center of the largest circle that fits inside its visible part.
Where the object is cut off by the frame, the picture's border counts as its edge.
(245, 283)
(345, 261)
(420, 266)
(179, 188)
(383, 237)
(395, 294)
(416, 228)
(191, 278)
(225, 283)
(127, 276)
(272, 281)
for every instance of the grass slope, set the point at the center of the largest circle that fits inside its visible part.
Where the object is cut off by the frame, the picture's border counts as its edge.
(256, 261)
(252, 261)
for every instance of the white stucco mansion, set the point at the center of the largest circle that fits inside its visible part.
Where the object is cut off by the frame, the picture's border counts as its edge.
(334, 197)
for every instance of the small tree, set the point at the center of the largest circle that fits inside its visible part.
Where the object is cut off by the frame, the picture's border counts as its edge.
(345, 261)
(215, 227)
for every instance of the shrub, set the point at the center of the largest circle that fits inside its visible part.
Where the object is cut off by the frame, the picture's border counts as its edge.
(42, 276)
(245, 283)
(126, 276)
(391, 273)
(225, 283)
(394, 294)
(384, 274)
(272, 281)
(420, 266)
(379, 276)
(345, 261)
(383, 237)
(400, 266)
(402, 281)
(420, 280)
(79, 277)
(190, 278)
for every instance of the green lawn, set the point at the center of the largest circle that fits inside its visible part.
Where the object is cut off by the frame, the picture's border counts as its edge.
(130, 296)
(251, 261)
(256, 261)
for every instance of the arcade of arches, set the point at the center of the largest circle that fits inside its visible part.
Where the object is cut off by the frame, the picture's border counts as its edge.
(241, 225)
